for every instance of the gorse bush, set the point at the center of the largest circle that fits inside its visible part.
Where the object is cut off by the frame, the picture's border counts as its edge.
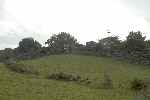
(64, 77)
(135, 48)
(138, 85)
(9, 62)
(22, 68)
(141, 88)
(107, 82)
(60, 76)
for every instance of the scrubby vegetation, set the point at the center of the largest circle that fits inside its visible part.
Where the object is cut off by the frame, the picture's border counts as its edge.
(21, 68)
(64, 77)
(141, 88)
(107, 82)
(69, 78)
(74, 78)
(99, 76)
(135, 48)
(138, 85)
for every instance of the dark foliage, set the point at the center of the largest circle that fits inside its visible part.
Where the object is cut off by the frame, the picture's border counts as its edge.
(64, 77)
(69, 78)
(28, 45)
(21, 68)
(6, 54)
(135, 41)
(61, 43)
(107, 82)
(135, 48)
(138, 85)
(29, 48)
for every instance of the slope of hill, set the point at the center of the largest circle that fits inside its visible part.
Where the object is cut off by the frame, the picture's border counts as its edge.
(15, 86)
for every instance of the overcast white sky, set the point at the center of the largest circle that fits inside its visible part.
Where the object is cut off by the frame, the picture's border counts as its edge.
(85, 19)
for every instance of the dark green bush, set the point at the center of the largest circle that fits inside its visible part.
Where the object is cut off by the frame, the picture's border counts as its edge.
(69, 78)
(21, 68)
(64, 77)
(9, 62)
(138, 85)
(107, 82)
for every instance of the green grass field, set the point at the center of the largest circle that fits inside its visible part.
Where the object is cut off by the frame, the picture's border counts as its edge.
(15, 86)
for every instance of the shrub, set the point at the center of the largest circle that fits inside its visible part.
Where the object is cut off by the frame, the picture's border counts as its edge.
(138, 85)
(64, 77)
(21, 68)
(9, 62)
(69, 78)
(107, 82)
(86, 81)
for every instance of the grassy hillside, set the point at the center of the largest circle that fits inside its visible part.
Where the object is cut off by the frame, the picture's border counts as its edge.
(15, 86)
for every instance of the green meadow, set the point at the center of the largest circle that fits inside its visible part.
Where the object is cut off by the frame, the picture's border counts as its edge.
(16, 86)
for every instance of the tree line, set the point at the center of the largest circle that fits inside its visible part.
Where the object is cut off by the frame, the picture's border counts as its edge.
(134, 48)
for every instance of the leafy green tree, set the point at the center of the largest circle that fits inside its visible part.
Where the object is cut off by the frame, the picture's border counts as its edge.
(28, 48)
(138, 48)
(148, 43)
(28, 44)
(6, 54)
(61, 43)
(91, 46)
(135, 41)
(107, 45)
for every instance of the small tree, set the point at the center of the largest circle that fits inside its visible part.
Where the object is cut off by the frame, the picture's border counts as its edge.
(137, 48)
(107, 82)
(91, 46)
(28, 44)
(148, 43)
(135, 41)
(107, 45)
(61, 43)
(28, 48)
(6, 55)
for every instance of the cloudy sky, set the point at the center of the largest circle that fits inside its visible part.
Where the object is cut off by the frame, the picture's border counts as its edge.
(85, 19)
